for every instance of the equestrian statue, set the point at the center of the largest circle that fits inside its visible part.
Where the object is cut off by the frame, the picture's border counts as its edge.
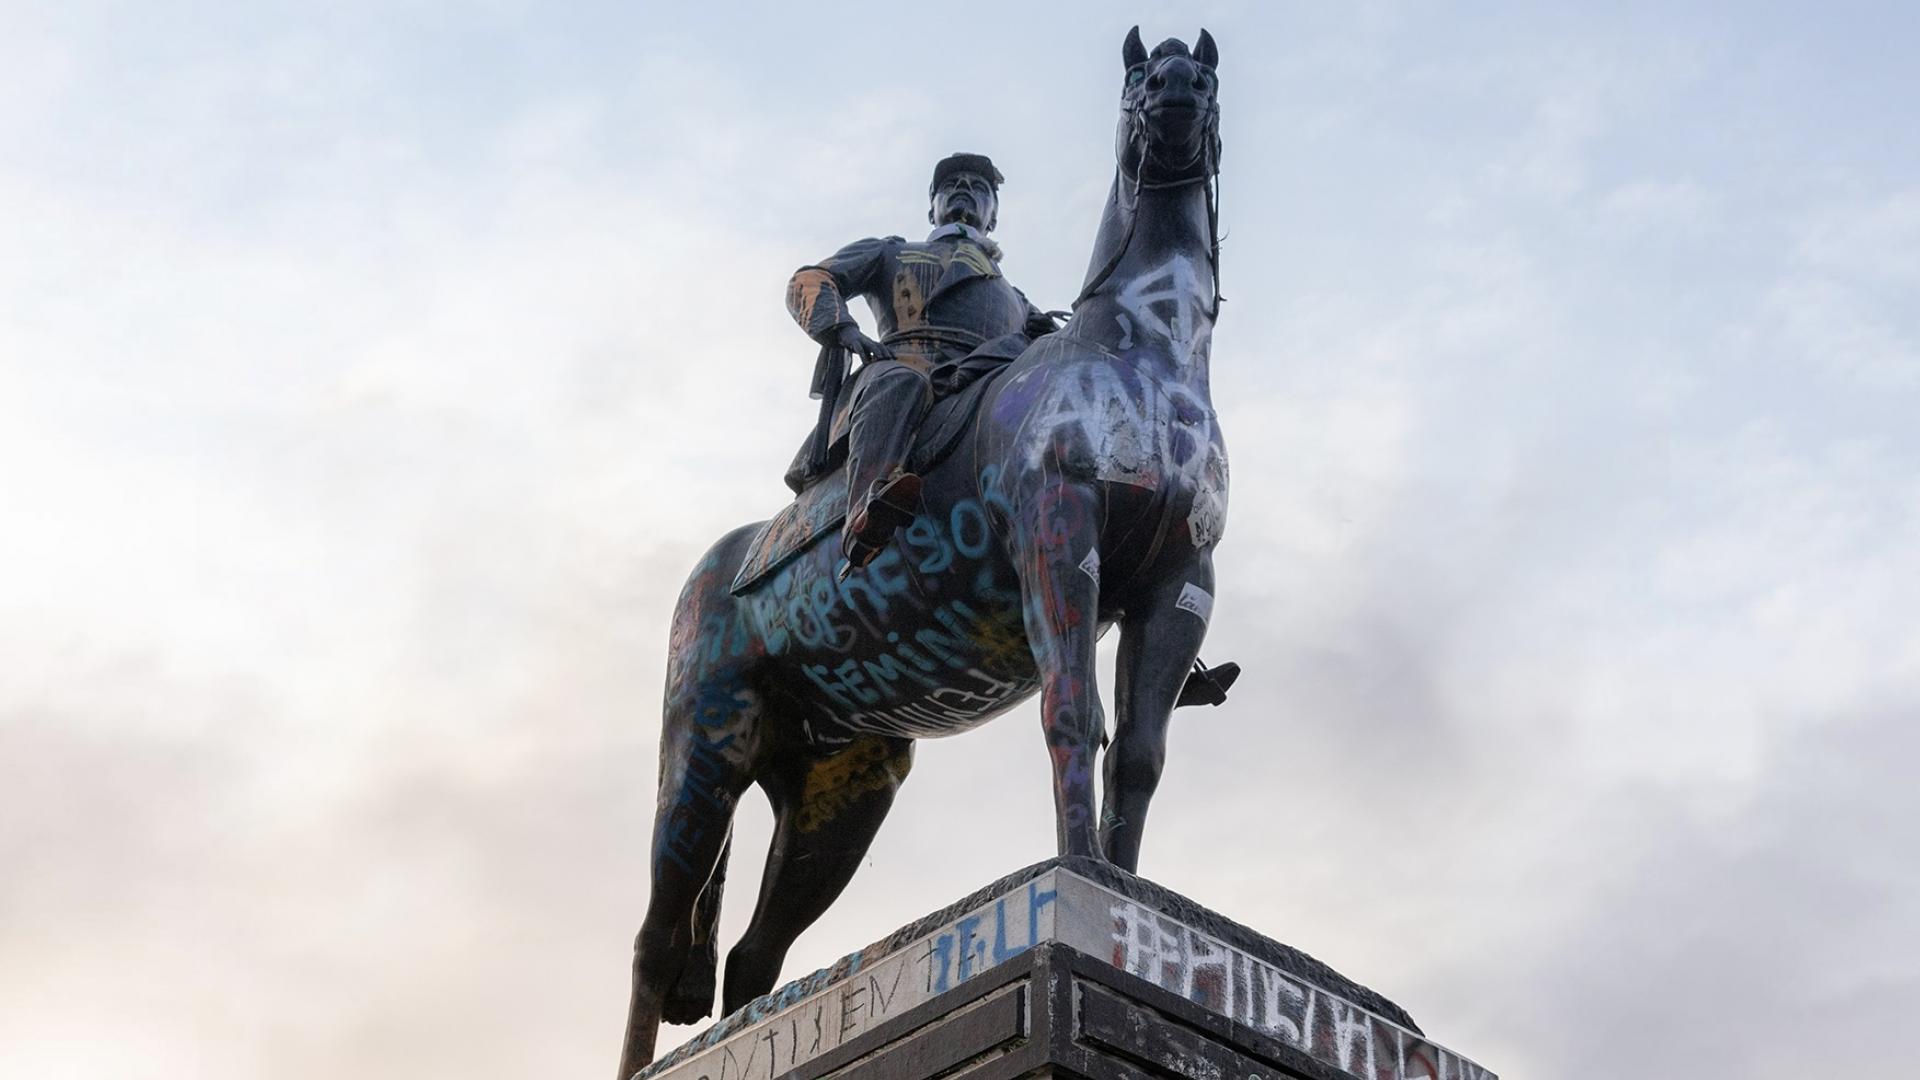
(982, 500)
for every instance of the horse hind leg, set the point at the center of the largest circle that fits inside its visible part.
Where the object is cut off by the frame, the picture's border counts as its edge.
(691, 998)
(827, 809)
(704, 767)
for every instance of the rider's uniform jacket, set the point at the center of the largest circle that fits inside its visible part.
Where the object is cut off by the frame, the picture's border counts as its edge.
(934, 301)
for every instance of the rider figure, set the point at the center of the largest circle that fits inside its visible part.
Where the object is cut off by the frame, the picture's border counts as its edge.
(934, 302)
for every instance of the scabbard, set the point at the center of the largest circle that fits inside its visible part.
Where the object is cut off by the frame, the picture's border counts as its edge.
(829, 372)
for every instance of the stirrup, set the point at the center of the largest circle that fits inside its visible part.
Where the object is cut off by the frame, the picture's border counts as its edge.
(1207, 685)
(858, 555)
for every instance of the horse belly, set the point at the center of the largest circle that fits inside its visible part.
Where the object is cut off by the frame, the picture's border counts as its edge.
(928, 640)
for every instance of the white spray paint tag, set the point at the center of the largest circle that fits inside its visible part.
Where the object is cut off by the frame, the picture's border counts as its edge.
(1197, 600)
(1090, 565)
(1174, 287)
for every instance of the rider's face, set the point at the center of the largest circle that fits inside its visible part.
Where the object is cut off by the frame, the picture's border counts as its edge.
(967, 198)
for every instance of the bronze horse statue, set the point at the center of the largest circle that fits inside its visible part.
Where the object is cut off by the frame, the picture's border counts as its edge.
(1088, 490)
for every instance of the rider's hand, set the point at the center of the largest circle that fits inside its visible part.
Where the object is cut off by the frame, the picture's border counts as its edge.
(1041, 323)
(851, 339)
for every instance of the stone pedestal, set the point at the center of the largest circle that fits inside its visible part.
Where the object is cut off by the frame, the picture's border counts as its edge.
(1069, 968)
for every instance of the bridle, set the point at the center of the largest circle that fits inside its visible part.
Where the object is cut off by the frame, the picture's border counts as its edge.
(1142, 147)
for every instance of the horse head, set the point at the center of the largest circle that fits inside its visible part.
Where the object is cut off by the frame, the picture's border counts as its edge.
(1169, 112)
(1168, 150)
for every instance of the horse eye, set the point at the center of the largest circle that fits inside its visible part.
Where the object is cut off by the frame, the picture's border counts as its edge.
(1136, 76)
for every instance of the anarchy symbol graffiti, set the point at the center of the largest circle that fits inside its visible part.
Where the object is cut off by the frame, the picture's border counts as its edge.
(1167, 302)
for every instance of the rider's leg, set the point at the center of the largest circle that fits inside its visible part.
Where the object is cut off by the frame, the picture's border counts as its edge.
(882, 494)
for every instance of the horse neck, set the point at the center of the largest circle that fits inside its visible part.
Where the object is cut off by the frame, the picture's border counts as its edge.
(1155, 308)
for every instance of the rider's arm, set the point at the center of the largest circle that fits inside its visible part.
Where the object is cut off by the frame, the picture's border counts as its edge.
(817, 296)
(1037, 322)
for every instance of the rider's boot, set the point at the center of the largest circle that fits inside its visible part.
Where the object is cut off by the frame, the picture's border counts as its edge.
(883, 495)
(890, 504)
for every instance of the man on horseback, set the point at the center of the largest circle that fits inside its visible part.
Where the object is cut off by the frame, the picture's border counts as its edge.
(1104, 448)
(936, 303)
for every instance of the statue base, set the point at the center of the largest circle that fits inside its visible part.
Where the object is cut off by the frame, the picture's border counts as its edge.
(1069, 968)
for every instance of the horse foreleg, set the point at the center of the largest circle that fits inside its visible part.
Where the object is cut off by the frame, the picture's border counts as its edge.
(1060, 604)
(1158, 644)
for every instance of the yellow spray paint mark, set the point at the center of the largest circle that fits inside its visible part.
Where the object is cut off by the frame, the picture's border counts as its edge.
(835, 783)
(974, 258)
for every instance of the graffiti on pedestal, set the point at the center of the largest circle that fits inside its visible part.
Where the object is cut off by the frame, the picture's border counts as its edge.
(1250, 991)
(811, 1016)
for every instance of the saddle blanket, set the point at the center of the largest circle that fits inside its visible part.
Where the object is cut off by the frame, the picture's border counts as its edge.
(812, 513)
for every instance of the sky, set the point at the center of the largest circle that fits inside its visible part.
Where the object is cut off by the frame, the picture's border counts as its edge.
(372, 374)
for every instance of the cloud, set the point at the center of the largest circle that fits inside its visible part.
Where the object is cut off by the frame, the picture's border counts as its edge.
(370, 381)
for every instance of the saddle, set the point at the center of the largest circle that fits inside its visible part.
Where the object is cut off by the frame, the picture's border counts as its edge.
(821, 504)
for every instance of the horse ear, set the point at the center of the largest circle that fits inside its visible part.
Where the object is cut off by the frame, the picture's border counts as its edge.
(1205, 52)
(1131, 50)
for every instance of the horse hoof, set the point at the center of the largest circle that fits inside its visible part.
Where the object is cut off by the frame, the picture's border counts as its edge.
(688, 1004)
(686, 1010)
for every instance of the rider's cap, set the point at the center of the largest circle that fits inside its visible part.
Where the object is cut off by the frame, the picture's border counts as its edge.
(973, 163)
